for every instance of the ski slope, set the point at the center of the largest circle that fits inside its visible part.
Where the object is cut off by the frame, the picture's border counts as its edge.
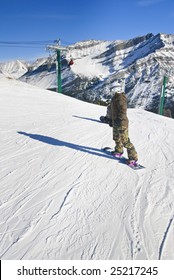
(61, 197)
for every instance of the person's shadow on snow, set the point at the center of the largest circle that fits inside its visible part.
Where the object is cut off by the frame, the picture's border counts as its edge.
(88, 119)
(56, 142)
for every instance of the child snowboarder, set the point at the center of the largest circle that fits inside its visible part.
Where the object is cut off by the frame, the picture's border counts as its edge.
(120, 128)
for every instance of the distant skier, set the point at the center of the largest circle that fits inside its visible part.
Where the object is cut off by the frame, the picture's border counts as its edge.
(120, 128)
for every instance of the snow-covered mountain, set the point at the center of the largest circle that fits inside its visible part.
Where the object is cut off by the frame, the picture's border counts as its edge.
(61, 197)
(138, 65)
(13, 69)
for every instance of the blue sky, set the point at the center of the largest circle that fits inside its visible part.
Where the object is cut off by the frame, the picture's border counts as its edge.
(29, 21)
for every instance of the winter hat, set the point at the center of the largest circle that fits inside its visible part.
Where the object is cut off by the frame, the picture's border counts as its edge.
(118, 85)
(118, 91)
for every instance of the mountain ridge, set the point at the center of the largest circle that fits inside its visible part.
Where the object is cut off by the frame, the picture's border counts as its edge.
(137, 65)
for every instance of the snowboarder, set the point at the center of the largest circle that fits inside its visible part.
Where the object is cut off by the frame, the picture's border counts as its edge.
(120, 128)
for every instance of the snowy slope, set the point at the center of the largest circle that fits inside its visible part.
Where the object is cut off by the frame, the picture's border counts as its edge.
(61, 197)
(85, 62)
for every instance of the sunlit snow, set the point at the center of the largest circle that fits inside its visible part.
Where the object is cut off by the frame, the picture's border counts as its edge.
(61, 197)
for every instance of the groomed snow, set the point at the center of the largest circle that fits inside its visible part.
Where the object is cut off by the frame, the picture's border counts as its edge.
(61, 197)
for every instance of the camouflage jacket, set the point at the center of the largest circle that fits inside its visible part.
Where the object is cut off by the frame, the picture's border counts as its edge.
(119, 110)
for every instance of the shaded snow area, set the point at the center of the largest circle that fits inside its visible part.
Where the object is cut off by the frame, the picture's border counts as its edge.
(61, 197)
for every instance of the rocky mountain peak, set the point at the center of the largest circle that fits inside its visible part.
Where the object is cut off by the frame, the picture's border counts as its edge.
(138, 64)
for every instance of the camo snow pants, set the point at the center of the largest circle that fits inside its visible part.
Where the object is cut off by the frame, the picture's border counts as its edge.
(121, 137)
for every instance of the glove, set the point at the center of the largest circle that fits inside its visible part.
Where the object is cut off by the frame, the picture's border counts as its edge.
(110, 123)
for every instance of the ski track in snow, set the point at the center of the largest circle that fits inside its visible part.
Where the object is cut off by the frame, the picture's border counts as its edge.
(61, 197)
